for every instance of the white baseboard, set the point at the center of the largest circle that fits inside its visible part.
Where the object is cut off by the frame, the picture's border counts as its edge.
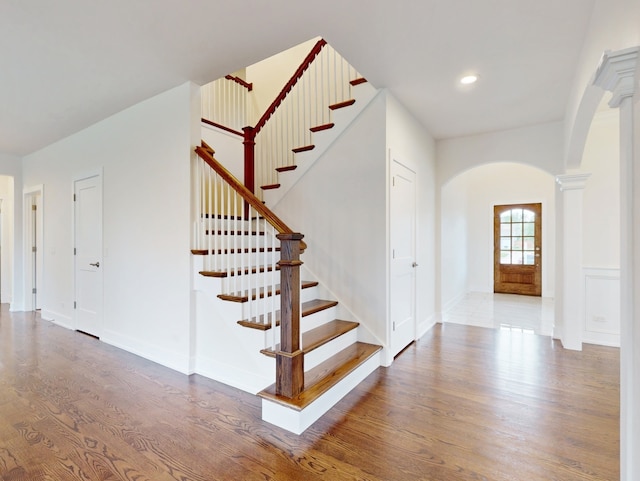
(57, 318)
(172, 360)
(425, 326)
(232, 376)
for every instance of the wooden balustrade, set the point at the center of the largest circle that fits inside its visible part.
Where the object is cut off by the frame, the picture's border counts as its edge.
(289, 359)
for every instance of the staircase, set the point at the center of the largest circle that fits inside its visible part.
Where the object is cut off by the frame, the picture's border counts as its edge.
(240, 271)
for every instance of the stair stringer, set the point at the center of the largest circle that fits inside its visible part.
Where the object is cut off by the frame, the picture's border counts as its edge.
(364, 333)
(363, 93)
(225, 351)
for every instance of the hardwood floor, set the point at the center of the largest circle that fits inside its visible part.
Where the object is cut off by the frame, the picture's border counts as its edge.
(463, 403)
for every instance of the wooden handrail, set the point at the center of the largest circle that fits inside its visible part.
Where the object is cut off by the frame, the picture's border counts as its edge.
(222, 127)
(246, 194)
(238, 80)
(290, 84)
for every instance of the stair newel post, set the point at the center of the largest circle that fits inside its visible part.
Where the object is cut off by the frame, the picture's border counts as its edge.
(249, 143)
(289, 359)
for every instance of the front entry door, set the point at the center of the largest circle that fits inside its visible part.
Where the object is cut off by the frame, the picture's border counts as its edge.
(403, 272)
(517, 249)
(88, 255)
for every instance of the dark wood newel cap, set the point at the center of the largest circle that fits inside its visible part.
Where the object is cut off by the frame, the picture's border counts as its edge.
(291, 236)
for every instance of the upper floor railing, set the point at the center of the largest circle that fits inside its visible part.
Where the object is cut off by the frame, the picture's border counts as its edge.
(321, 82)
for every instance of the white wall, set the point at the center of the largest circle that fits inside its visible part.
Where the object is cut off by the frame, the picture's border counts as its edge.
(532, 148)
(144, 153)
(539, 146)
(454, 238)
(11, 165)
(614, 25)
(601, 200)
(601, 230)
(467, 224)
(270, 75)
(6, 269)
(340, 207)
(229, 150)
(409, 142)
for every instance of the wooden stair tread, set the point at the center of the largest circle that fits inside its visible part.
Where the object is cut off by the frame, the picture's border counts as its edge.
(323, 377)
(239, 272)
(319, 128)
(270, 186)
(319, 336)
(305, 148)
(286, 168)
(255, 293)
(227, 216)
(204, 252)
(233, 232)
(308, 308)
(358, 81)
(341, 105)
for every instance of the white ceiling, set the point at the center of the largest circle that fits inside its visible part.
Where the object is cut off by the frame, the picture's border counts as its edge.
(67, 64)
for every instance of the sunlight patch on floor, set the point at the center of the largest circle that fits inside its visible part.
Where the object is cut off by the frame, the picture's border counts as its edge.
(525, 314)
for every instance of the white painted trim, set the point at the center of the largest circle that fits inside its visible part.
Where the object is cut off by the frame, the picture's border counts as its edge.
(616, 73)
(572, 181)
(57, 318)
(425, 326)
(603, 337)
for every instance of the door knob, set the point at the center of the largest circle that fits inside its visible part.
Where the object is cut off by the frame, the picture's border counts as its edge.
(97, 264)
(415, 264)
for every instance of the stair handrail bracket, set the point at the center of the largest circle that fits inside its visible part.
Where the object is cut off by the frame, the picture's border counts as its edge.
(290, 358)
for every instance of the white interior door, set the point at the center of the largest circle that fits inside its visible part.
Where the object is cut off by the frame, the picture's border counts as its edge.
(403, 248)
(88, 255)
(33, 236)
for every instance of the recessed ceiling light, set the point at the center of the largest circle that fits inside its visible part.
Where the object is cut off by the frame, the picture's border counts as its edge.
(469, 79)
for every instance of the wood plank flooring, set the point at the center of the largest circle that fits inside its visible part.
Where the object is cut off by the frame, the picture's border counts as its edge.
(463, 403)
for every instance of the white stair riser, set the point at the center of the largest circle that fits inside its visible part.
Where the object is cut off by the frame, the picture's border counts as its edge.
(298, 421)
(232, 224)
(258, 305)
(233, 284)
(317, 319)
(220, 262)
(326, 351)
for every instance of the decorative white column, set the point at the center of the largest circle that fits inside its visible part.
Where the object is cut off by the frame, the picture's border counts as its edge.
(572, 304)
(618, 73)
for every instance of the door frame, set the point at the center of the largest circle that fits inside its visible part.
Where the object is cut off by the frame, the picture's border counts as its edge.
(84, 176)
(388, 358)
(540, 250)
(548, 240)
(28, 194)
